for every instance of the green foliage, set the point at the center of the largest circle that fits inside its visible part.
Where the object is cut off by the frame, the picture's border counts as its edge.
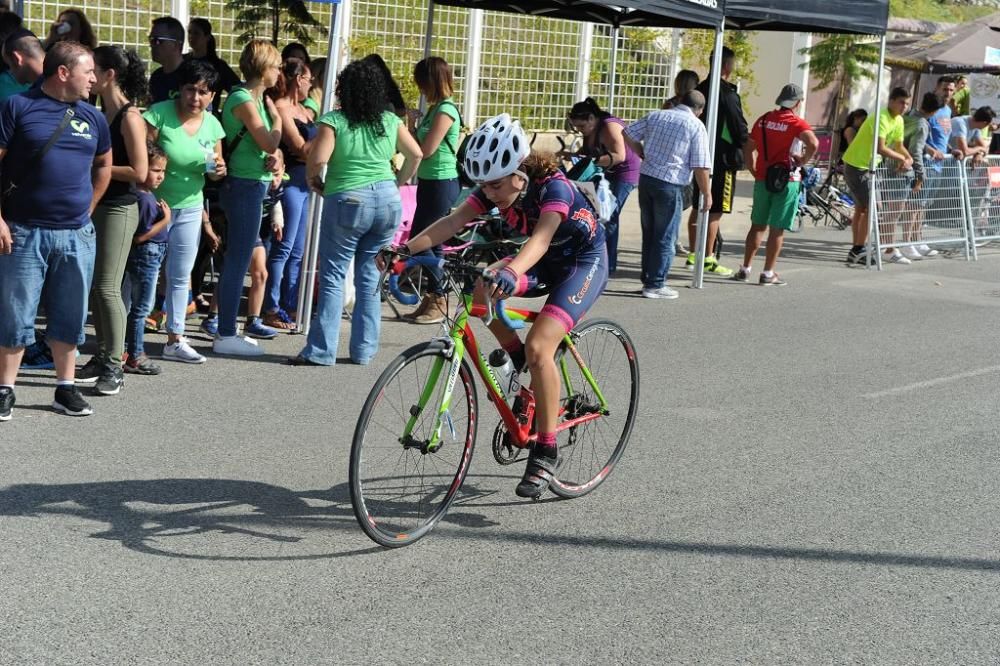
(938, 10)
(698, 45)
(274, 19)
(837, 58)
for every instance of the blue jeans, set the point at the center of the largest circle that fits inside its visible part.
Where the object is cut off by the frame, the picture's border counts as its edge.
(141, 272)
(51, 265)
(284, 260)
(182, 249)
(356, 224)
(243, 202)
(434, 200)
(660, 206)
(621, 190)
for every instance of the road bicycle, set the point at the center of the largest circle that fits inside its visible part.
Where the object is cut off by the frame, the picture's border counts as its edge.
(415, 435)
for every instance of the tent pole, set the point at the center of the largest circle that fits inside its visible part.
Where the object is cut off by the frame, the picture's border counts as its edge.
(713, 117)
(582, 87)
(473, 66)
(675, 60)
(307, 281)
(613, 73)
(428, 38)
(873, 232)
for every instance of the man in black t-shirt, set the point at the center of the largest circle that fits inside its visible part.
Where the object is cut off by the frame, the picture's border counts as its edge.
(166, 43)
(731, 135)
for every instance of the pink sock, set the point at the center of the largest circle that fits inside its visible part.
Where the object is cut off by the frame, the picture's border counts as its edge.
(547, 442)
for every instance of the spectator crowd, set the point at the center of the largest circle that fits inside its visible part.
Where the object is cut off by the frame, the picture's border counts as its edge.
(122, 188)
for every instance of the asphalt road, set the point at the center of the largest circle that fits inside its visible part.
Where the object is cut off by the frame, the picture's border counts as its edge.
(812, 479)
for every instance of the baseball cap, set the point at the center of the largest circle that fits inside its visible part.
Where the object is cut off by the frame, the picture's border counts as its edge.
(790, 94)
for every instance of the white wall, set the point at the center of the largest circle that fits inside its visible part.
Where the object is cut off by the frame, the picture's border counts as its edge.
(777, 64)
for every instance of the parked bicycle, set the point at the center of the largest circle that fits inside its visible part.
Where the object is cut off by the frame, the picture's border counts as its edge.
(415, 435)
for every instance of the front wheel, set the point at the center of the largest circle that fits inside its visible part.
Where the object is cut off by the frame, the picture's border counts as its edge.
(588, 452)
(407, 464)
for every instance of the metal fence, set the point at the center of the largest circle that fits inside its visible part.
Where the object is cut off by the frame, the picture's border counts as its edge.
(534, 68)
(935, 214)
(982, 200)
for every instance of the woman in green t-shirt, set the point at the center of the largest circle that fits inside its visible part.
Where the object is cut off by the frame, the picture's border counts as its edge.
(192, 140)
(361, 208)
(437, 178)
(253, 131)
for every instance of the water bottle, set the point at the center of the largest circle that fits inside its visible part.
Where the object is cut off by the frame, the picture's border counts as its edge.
(209, 160)
(507, 376)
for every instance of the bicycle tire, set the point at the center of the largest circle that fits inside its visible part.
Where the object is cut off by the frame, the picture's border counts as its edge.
(609, 354)
(392, 508)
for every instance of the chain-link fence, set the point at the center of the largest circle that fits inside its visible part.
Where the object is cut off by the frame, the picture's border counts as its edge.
(529, 65)
(931, 213)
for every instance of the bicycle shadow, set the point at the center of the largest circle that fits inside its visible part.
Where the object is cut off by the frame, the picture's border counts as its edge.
(165, 516)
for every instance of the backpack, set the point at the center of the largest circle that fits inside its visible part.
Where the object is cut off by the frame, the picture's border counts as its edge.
(463, 146)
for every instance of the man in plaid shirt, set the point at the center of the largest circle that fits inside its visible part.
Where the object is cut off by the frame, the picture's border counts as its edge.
(673, 144)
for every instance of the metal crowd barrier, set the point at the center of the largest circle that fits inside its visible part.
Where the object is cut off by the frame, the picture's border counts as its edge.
(936, 214)
(982, 200)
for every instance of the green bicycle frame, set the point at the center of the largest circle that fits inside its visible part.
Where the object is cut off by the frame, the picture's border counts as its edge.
(461, 338)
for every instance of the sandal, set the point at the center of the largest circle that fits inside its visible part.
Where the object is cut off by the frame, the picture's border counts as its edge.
(537, 475)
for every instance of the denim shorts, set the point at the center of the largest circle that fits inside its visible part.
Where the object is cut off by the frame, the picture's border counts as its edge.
(53, 267)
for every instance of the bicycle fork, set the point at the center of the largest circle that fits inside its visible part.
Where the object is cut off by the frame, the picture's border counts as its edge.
(454, 351)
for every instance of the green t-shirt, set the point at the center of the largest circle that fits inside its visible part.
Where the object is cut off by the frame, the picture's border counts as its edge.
(961, 101)
(360, 157)
(860, 151)
(311, 104)
(247, 161)
(443, 164)
(9, 86)
(185, 177)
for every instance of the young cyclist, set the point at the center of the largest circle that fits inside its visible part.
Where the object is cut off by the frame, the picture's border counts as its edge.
(566, 252)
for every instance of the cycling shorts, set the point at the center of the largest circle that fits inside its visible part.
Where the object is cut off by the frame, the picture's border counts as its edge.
(572, 284)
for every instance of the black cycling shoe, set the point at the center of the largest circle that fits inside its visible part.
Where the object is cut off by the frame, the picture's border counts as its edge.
(537, 475)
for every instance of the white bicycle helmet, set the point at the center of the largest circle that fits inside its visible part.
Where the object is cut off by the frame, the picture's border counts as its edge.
(496, 149)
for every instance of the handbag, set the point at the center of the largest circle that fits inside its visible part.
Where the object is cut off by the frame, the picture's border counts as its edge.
(777, 175)
(35, 160)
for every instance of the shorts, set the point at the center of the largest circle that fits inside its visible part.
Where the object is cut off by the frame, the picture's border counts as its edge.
(859, 183)
(775, 209)
(723, 190)
(573, 285)
(56, 265)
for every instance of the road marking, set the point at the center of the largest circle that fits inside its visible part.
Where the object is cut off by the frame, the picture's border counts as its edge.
(933, 382)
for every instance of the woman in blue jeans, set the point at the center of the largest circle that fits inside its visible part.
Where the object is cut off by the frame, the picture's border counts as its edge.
(192, 140)
(298, 130)
(253, 132)
(361, 209)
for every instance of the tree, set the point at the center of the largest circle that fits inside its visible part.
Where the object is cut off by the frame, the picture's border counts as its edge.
(291, 17)
(697, 47)
(842, 59)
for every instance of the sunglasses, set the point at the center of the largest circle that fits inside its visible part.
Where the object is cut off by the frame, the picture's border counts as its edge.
(156, 41)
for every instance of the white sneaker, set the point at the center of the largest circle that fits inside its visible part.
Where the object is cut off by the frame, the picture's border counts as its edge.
(896, 258)
(662, 292)
(237, 345)
(911, 253)
(926, 250)
(181, 351)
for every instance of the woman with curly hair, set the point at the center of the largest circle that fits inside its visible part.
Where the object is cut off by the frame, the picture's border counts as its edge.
(71, 26)
(361, 208)
(121, 84)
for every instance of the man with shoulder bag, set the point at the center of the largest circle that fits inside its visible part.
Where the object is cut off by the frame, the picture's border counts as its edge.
(779, 144)
(47, 241)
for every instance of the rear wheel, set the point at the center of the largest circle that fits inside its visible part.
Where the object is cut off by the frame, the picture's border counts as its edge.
(401, 486)
(588, 452)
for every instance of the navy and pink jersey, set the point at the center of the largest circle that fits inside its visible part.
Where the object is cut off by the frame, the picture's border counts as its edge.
(579, 230)
(574, 270)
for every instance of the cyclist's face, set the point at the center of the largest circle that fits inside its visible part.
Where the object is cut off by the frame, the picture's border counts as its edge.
(503, 191)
